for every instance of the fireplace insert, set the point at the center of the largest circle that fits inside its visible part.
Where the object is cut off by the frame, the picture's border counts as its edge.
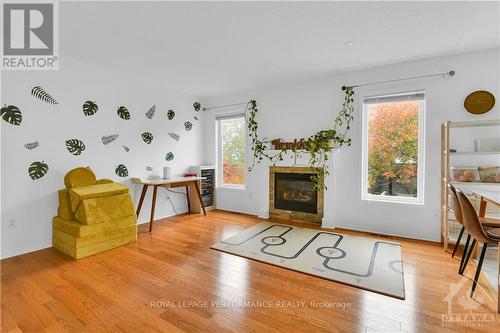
(295, 192)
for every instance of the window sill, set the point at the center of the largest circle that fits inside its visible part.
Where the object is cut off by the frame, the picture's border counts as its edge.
(392, 201)
(231, 187)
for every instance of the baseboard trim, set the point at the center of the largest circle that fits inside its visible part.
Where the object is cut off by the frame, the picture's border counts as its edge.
(420, 237)
(183, 211)
(264, 214)
(18, 252)
(327, 222)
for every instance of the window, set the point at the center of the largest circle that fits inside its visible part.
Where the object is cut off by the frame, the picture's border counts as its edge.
(393, 148)
(231, 150)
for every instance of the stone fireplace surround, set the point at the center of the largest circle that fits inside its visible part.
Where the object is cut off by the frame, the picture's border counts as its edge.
(292, 215)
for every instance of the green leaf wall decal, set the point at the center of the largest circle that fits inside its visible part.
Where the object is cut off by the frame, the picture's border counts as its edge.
(188, 125)
(90, 108)
(151, 112)
(31, 145)
(123, 113)
(107, 139)
(169, 156)
(75, 146)
(42, 95)
(121, 170)
(147, 137)
(11, 114)
(37, 170)
(174, 136)
(170, 114)
(197, 106)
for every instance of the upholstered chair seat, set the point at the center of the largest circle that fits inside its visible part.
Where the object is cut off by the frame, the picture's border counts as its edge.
(489, 222)
(493, 233)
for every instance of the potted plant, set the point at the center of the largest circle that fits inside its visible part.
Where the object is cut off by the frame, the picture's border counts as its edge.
(325, 139)
(318, 145)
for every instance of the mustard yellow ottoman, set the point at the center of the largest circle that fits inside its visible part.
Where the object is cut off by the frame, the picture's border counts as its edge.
(93, 215)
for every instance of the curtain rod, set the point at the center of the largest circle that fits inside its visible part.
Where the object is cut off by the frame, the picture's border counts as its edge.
(443, 75)
(450, 73)
(224, 106)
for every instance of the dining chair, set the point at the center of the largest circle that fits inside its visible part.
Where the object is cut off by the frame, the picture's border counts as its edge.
(458, 215)
(474, 228)
(485, 222)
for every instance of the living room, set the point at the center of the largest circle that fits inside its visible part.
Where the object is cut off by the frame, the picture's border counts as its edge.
(250, 166)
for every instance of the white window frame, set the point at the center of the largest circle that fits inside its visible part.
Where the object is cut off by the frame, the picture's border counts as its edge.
(419, 200)
(218, 140)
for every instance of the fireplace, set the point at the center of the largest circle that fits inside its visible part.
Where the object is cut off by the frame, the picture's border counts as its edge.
(293, 196)
(295, 191)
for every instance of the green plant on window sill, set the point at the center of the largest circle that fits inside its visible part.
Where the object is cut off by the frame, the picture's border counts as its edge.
(319, 145)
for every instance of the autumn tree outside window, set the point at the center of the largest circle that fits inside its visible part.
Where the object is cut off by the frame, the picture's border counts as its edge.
(231, 152)
(393, 148)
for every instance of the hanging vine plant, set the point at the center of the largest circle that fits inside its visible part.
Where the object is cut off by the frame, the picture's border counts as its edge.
(318, 145)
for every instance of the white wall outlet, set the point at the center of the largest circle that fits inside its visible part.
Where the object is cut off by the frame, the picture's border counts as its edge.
(11, 224)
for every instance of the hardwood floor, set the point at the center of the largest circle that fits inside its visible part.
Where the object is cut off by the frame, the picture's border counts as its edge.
(167, 281)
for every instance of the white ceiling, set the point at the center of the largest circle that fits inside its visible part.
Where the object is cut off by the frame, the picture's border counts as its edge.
(212, 48)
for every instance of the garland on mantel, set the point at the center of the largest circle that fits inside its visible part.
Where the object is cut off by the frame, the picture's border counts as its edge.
(319, 145)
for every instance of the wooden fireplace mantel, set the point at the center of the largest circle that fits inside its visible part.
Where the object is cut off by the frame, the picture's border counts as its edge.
(289, 214)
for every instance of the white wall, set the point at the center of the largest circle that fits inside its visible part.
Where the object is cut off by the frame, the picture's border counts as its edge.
(299, 110)
(33, 203)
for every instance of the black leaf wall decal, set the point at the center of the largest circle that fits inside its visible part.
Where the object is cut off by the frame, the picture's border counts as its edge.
(147, 137)
(123, 113)
(196, 118)
(197, 106)
(11, 114)
(170, 114)
(148, 168)
(188, 125)
(31, 145)
(121, 170)
(90, 108)
(151, 112)
(37, 170)
(174, 136)
(75, 146)
(127, 149)
(169, 156)
(42, 95)
(107, 139)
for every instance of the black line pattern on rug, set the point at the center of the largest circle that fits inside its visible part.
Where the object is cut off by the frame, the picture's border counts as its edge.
(271, 241)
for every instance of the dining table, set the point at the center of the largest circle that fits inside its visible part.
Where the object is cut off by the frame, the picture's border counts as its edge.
(167, 183)
(489, 197)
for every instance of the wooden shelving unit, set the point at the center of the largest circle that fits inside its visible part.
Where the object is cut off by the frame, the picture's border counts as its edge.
(467, 153)
(448, 224)
(454, 182)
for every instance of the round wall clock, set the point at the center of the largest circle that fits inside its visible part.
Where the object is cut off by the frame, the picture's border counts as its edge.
(479, 102)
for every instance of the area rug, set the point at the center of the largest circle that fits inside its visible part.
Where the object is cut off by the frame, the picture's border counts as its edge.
(361, 262)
